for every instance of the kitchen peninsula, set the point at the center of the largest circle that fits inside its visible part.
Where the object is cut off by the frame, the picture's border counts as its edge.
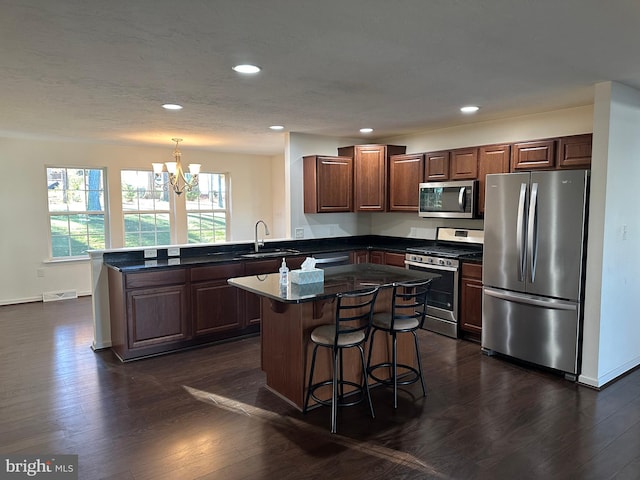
(290, 312)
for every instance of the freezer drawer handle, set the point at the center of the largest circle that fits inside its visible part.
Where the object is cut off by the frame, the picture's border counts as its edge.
(528, 300)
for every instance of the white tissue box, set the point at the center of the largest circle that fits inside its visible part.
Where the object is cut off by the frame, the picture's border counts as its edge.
(307, 289)
(315, 275)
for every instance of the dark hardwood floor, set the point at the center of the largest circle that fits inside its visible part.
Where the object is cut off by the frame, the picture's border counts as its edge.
(205, 414)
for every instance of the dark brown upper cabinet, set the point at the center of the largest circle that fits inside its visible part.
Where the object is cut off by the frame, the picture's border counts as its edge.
(436, 166)
(405, 176)
(328, 184)
(575, 151)
(538, 155)
(463, 164)
(492, 159)
(370, 174)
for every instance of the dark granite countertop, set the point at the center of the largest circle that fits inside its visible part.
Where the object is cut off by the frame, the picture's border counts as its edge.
(341, 279)
(131, 261)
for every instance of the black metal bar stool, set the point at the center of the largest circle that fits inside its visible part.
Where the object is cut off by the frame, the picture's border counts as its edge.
(408, 310)
(353, 316)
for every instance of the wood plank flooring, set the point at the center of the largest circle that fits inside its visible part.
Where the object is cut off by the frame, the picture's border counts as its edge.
(206, 414)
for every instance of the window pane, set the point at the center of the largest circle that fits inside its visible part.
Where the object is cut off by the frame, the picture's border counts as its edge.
(60, 246)
(206, 207)
(146, 206)
(76, 191)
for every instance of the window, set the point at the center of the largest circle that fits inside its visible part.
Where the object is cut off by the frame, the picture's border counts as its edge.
(207, 214)
(76, 198)
(145, 209)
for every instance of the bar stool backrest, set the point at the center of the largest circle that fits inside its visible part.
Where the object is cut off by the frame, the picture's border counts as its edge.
(354, 312)
(410, 302)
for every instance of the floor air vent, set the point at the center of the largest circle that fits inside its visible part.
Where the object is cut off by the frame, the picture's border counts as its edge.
(55, 296)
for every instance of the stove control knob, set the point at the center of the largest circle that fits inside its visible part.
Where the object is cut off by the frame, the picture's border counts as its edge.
(430, 260)
(441, 262)
(449, 262)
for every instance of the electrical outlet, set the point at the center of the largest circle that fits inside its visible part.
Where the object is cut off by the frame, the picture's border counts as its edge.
(299, 232)
(40, 272)
(173, 251)
(150, 253)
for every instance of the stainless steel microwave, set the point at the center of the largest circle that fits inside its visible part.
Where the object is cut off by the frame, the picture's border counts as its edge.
(448, 199)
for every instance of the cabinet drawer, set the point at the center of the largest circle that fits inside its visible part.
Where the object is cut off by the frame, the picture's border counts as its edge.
(214, 272)
(156, 278)
(472, 270)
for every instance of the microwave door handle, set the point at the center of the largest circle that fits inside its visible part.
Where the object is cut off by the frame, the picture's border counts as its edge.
(532, 231)
(520, 234)
(462, 198)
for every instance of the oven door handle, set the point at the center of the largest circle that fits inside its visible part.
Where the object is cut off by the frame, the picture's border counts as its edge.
(429, 266)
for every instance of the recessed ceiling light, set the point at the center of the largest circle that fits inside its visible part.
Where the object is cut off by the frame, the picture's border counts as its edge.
(470, 109)
(246, 69)
(366, 130)
(172, 106)
(276, 127)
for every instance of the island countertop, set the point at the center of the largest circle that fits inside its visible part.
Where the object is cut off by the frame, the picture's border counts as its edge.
(340, 279)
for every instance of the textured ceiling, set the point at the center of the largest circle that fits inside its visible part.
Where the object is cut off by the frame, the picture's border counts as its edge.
(99, 70)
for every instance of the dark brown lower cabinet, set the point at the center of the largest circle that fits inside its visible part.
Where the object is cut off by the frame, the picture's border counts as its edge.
(159, 311)
(149, 311)
(387, 258)
(216, 305)
(471, 300)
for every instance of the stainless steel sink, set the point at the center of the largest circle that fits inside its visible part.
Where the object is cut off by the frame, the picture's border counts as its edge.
(274, 252)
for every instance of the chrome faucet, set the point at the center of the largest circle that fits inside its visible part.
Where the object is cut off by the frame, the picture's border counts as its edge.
(257, 243)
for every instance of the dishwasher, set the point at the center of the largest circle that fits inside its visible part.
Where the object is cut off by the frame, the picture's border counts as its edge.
(331, 259)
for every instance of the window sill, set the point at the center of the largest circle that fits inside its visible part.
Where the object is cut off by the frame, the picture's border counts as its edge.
(66, 260)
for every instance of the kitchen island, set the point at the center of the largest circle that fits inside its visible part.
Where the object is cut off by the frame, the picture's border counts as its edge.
(291, 312)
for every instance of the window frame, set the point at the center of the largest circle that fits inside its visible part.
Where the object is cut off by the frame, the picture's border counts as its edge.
(226, 210)
(169, 212)
(69, 213)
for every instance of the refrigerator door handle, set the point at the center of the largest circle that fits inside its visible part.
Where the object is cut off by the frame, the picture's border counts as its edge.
(532, 231)
(520, 234)
(462, 198)
(530, 300)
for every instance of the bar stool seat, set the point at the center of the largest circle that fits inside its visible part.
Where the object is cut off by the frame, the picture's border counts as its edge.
(353, 316)
(408, 311)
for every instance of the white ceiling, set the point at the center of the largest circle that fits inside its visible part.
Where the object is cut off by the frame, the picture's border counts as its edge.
(99, 70)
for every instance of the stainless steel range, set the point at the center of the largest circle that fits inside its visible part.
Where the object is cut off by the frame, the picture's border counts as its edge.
(443, 258)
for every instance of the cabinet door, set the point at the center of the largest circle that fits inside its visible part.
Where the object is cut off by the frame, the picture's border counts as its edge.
(370, 178)
(436, 166)
(157, 316)
(492, 159)
(376, 256)
(359, 256)
(538, 155)
(575, 151)
(405, 175)
(216, 307)
(328, 184)
(464, 164)
(395, 259)
(471, 299)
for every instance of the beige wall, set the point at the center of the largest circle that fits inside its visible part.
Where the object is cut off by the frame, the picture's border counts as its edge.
(24, 247)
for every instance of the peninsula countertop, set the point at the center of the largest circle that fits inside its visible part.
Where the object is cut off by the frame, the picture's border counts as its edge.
(340, 279)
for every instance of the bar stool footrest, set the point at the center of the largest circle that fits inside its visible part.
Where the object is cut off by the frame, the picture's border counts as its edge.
(359, 390)
(413, 373)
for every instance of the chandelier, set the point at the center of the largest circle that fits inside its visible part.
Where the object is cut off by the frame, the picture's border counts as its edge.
(178, 180)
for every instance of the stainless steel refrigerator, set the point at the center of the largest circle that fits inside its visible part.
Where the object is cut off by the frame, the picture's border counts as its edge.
(533, 266)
